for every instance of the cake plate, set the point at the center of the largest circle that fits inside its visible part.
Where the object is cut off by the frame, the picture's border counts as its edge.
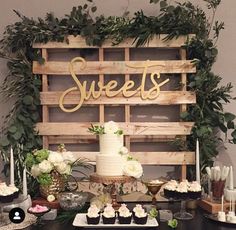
(111, 180)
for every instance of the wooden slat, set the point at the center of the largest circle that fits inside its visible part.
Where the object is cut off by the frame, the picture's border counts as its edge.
(101, 79)
(114, 67)
(79, 42)
(127, 106)
(165, 98)
(88, 139)
(151, 158)
(135, 128)
(45, 111)
(183, 108)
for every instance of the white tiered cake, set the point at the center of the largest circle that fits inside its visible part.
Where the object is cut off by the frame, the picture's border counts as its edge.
(113, 159)
(109, 161)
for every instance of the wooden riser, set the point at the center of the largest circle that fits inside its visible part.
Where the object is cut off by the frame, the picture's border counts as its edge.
(211, 207)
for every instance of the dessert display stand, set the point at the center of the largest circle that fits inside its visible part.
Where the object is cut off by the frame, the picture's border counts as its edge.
(4, 220)
(111, 181)
(182, 214)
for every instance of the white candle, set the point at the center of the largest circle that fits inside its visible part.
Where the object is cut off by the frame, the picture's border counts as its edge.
(222, 203)
(25, 190)
(197, 163)
(12, 180)
(231, 178)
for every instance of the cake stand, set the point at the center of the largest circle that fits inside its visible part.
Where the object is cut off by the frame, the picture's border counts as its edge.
(182, 214)
(111, 180)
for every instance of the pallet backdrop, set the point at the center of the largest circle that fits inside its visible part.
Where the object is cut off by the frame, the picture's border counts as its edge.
(70, 132)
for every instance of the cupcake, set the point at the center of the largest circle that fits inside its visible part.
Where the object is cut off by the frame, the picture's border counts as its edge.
(93, 215)
(140, 215)
(194, 190)
(182, 190)
(124, 214)
(170, 189)
(14, 190)
(6, 193)
(109, 215)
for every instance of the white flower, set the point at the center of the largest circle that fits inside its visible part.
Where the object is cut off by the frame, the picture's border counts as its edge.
(123, 150)
(110, 127)
(45, 166)
(133, 168)
(68, 157)
(63, 168)
(55, 157)
(35, 170)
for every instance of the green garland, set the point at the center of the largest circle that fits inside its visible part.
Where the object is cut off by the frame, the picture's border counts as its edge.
(174, 20)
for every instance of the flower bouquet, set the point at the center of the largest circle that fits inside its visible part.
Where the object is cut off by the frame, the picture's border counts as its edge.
(51, 168)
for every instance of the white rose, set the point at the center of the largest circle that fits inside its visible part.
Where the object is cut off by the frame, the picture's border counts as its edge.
(35, 170)
(133, 168)
(123, 150)
(45, 166)
(55, 157)
(68, 157)
(63, 168)
(110, 127)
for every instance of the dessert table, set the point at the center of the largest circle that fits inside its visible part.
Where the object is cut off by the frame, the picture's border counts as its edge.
(199, 222)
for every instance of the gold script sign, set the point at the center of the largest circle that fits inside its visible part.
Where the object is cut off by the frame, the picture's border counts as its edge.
(125, 89)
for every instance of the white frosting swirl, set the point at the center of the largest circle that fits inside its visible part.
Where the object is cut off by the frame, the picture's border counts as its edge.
(140, 213)
(195, 187)
(182, 187)
(109, 211)
(93, 211)
(137, 208)
(124, 211)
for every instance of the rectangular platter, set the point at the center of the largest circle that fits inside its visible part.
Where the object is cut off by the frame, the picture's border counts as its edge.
(81, 221)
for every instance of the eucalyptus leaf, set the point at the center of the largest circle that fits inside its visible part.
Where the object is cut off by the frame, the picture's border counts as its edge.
(28, 100)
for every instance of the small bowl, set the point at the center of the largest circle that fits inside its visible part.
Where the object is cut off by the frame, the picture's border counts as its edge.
(72, 200)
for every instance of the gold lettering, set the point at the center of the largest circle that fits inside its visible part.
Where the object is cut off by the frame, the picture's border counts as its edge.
(150, 94)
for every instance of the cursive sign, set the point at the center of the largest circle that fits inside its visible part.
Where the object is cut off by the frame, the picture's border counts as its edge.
(125, 89)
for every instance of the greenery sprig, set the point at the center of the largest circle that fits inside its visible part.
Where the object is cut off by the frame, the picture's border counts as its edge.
(174, 19)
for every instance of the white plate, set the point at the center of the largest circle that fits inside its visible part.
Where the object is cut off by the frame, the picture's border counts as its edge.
(81, 221)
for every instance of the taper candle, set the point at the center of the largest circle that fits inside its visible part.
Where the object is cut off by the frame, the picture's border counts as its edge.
(222, 203)
(198, 179)
(25, 190)
(12, 179)
(231, 178)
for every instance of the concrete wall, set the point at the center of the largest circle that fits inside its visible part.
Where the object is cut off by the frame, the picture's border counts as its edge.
(227, 48)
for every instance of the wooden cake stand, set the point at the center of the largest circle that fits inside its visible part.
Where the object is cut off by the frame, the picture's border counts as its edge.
(111, 180)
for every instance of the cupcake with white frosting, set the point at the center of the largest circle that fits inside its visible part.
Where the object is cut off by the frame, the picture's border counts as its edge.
(170, 189)
(109, 215)
(140, 215)
(93, 215)
(8, 193)
(194, 190)
(124, 214)
(182, 190)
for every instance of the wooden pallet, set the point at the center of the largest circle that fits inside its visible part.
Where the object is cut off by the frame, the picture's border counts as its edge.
(76, 132)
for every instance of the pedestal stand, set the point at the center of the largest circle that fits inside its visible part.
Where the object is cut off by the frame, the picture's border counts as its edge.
(111, 180)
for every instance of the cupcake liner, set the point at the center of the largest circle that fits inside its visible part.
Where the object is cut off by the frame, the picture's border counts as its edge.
(124, 220)
(108, 220)
(93, 220)
(142, 220)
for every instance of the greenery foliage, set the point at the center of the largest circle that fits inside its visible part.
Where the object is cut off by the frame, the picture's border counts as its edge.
(175, 20)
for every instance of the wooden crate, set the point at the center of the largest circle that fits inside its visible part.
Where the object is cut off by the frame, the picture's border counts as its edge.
(76, 132)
